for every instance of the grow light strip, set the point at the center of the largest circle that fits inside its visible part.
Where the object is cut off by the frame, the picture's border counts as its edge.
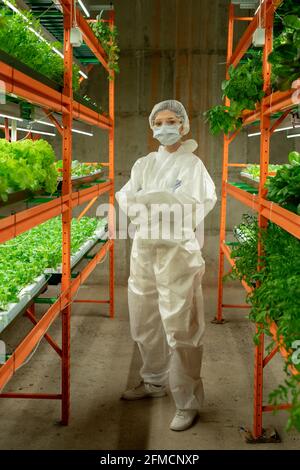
(84, 75)
(276, 130)
(293, 135)
(84, 8)
(45, 123)
(77, 131)
(30, 130)
(54, 49)
(74, 130)
(254, 134)
(11, 117)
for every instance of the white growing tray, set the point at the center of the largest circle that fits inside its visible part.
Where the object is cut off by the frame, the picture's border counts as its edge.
(25, 295)
(30, 291)
(247, 175)
(74, 178)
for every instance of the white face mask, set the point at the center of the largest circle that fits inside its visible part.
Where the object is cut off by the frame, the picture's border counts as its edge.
(167, 134)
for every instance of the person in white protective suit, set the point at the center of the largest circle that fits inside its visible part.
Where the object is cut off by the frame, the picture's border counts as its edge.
(164, 288)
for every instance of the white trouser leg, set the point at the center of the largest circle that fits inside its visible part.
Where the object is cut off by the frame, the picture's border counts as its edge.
(179, 275)
(185, 382)
(145, 321)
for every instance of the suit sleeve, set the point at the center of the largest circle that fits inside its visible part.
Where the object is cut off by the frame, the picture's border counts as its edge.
(194, 189)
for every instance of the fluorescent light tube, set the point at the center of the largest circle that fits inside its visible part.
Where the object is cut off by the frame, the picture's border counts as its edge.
(84, 8)
(45, 123)
(11, 117)
(77, 131)
(293, 135)
(35, 131)
(255, 133)
(276, 130)
(58, 52)
(84, 75)
(32, 131)
(283, 129)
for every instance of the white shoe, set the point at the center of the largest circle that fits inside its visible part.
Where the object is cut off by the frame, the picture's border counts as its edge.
(183, 419)
(145, 390)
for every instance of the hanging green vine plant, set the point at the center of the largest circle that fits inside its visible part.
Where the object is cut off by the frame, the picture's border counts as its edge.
(245, 85)
(108, 37)
(276, 297)
(244, 88)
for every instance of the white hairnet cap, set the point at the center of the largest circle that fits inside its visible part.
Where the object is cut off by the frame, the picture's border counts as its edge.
(176, 107)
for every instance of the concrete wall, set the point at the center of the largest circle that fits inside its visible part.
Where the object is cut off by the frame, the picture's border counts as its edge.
(169, 49)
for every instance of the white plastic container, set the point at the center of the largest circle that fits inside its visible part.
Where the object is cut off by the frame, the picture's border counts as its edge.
(25, 295)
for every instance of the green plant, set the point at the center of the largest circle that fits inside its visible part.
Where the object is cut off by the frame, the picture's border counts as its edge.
(289, 393)
(223, 119)
(78, 168)
(26, 256)
(275, 295)
(284, 188)
(245, 253)
(287, 7)
(108, 37)
(286, 53)
(245, 84)
(26, 164)
(244, 88)
(254, 169)
(24, 45)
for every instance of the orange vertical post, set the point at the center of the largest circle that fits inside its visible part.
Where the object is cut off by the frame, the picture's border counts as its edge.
(111, 215)
(268, 14)
(219, 318)
(67, 215)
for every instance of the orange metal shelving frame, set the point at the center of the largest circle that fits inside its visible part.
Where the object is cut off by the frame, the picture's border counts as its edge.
(266, 210)
(51, 100)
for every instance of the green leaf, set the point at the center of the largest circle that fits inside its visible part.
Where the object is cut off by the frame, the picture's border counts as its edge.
(294, 157)
(292, 21)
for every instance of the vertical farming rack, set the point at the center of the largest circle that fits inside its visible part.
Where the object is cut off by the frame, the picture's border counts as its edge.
(271, 104)
(27, 88)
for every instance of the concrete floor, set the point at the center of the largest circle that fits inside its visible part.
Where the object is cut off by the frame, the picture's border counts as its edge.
(105, 361)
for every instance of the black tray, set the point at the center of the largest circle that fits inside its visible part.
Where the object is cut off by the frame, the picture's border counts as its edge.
(19, 196)
(17, 64)
(77, 97)
(82, 179)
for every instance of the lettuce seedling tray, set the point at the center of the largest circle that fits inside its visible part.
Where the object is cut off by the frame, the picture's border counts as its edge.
(99, 234)
(25, 297)
(78, 180)
(27, 70)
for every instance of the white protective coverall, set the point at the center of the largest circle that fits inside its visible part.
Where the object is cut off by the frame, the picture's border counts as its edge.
(164, 287)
